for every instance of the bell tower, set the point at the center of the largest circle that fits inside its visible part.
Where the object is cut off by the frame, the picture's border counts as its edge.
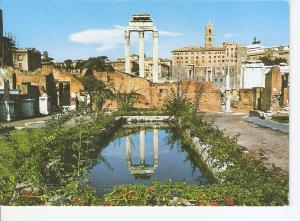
(209, 35)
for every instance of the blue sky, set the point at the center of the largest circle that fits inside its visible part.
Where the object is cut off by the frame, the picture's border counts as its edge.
(84, 28)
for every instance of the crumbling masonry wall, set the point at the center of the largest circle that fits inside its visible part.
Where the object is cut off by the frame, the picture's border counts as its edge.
(154, 95)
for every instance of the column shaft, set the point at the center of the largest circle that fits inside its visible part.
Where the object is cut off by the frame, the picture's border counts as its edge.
(228, 79)
(141, 54)
(155, 57)
(206, 74)
(211, 75)
(127, 52)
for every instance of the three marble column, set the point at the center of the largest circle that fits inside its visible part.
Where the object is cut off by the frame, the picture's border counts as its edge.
(142, 54)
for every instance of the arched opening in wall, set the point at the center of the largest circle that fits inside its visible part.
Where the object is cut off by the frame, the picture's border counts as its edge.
(162, 92)
(141, 99)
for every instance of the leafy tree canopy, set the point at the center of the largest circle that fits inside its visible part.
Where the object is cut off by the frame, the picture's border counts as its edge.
(97, 63)
(269, 61)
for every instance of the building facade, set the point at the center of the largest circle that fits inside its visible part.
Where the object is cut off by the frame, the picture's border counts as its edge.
(164, 66)
(28, 59)
(255, 52)
(7, 45)
(209, 63)
(254, 74)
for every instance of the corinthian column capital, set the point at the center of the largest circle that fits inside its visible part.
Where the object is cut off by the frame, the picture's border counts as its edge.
(141, 34)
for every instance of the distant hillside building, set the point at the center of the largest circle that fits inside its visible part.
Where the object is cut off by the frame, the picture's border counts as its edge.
(256, 51)
(7, 45)
(28, 59)
(164, 66)
(209, 63)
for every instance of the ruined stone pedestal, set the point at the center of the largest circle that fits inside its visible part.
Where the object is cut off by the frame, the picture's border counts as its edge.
(44, 105)
(7, 110)
(27, 108)
(227, 101)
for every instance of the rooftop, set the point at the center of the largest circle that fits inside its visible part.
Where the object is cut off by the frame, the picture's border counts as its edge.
(141, 18)
(199, 49)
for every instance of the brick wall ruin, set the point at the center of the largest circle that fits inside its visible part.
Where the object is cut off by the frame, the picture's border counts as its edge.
(274, 97)
(154, 95)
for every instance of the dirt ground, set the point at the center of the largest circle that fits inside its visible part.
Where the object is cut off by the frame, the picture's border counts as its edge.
(275, 144)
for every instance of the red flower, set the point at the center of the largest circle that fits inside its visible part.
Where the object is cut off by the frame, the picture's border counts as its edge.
(149, 189)
(230, 201)
(108, 203)
(214, 204)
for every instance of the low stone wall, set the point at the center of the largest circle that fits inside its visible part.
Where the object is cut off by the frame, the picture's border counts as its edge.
(146, 118)
(203, 151)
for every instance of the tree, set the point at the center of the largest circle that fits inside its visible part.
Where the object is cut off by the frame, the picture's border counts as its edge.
(97, 89)
(267, 60)
(68, 64)
(135, 67)
(46, 58)
(97, 63)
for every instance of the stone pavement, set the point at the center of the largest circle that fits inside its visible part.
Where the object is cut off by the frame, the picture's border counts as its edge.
(283, 127)
(26, 122)
(254, 138)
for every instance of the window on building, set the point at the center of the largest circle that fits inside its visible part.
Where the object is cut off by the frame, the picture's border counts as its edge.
(20, 58)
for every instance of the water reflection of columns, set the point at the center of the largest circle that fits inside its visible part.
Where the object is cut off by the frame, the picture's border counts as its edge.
(155, 147)
(128, 150)
(142, 169)
(142, 147)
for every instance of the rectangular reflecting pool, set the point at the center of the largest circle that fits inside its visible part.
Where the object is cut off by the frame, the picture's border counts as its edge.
(143, 155)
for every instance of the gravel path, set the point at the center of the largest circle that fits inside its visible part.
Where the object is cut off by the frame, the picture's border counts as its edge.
(275, 144)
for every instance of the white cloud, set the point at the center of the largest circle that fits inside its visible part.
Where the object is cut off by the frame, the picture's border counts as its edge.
(169, 34)
(230, 35)
(109, 39)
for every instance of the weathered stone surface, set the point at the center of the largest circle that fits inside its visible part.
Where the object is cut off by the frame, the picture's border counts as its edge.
(271, 95)
(154, 95)
(245, 102)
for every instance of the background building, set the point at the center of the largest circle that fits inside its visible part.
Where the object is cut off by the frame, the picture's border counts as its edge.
(164, 66)
(255, 52)
(7, 45)
(28, 59)
(209, 63)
